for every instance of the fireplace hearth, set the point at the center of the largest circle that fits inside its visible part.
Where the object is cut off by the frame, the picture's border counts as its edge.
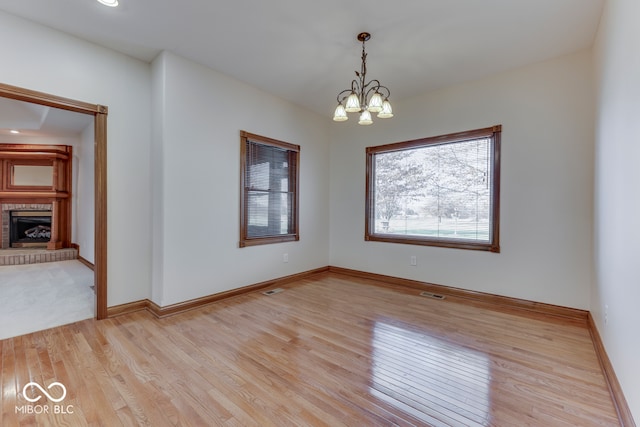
(29, 229)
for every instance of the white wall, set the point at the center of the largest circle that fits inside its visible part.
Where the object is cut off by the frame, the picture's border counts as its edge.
(84, 195)
(197, 184)
(546, 197)
(617, 219)
(38, 58)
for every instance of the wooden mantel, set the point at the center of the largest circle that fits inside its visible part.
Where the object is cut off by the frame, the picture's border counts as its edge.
(57, 193)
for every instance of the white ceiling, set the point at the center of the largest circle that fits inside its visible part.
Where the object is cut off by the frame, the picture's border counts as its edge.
(37, 121)
(306, 51)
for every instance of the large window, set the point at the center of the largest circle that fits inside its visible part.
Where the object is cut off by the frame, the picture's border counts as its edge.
(439, 191)
(269, 190)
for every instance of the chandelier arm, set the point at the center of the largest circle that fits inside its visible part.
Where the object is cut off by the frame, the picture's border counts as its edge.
(347, 92)
(377, 87)
(373, 89)
(385, 89)
(356, 86)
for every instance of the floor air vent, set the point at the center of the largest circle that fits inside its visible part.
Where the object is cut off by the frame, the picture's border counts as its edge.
(273, 291)
(431, 295)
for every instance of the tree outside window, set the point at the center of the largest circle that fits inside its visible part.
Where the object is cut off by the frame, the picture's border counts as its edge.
(440, 191)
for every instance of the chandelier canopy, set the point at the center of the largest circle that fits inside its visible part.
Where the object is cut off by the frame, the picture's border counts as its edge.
(363, 97)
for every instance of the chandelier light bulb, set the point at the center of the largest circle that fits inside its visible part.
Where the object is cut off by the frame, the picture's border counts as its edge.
(353, 103)
(365, 118)
(340, 114)
(386, 112)
(375, 104)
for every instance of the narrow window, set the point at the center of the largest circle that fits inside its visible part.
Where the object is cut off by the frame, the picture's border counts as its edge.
(438, 191)
(269, 190)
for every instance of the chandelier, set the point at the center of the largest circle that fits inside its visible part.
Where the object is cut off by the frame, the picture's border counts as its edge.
(364, 98)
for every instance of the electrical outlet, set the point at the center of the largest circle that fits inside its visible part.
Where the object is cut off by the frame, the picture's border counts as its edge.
(285, 257)
(606, 314)
(414, 260)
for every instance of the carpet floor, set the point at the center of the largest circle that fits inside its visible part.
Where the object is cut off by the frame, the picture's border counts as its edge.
(34, 297)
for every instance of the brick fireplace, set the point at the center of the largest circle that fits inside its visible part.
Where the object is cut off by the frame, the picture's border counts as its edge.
(35, 178)
(30, 255)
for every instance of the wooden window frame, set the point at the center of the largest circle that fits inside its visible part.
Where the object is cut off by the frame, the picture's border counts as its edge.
(493, 245)
(294, 185)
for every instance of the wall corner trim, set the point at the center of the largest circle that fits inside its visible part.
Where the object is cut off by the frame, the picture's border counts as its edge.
(619, 401)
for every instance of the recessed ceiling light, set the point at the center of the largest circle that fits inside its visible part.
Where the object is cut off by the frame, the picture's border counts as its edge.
(14, 131)
(110, 3)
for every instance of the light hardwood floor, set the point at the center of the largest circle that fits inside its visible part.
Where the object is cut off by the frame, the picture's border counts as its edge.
(328, 350)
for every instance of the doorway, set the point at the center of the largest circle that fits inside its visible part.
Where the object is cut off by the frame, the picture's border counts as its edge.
(99, 112)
